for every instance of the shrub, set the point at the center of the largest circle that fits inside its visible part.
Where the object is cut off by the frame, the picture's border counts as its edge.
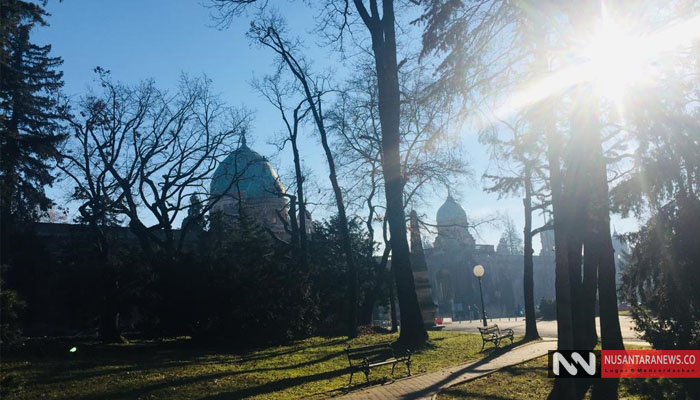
(10, 329)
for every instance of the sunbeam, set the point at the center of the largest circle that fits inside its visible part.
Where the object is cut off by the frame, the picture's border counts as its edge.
(613, 59)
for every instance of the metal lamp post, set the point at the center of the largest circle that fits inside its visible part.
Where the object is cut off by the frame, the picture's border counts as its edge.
(479, 272)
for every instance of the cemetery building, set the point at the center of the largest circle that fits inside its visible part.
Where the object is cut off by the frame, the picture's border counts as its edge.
(455, 289)
(246, 182)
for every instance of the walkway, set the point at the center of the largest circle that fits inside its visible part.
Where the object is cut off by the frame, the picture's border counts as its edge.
(546, 328)
(419, 387)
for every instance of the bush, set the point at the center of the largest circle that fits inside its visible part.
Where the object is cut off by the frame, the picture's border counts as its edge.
(241, 289)
(661, 281)
(329, 276)
(10, 329)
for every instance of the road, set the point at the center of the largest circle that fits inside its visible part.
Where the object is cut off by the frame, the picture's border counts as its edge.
(546, 329)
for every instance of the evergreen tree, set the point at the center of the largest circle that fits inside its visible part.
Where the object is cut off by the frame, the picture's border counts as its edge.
(31, 111)
(510, 242)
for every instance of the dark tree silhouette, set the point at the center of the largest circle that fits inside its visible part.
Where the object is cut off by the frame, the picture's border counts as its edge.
(32, 110)
(278, 93)
(150, 151)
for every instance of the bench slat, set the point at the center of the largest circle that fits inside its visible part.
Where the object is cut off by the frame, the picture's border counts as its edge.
(364, 358)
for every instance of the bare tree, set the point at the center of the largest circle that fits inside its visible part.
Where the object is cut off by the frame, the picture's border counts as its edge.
(139, 149)
(380, 24)
(429, 157)
(99, 196)
(382, 29)
(269, 32)
(278, 93)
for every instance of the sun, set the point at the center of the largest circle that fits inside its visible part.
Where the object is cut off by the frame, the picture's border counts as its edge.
(613, 55)
(614, 60)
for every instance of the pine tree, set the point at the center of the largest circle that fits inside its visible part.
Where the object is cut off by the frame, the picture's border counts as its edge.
(31, 111)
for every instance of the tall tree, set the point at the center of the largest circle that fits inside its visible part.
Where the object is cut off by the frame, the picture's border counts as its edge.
(429, 156)
(381, 27)
(277, 92)
(520, 166)
(269, 32)
(599, 261)
(31, 112)
(382, 30)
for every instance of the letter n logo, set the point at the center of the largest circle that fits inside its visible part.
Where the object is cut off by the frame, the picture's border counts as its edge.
(574, 364)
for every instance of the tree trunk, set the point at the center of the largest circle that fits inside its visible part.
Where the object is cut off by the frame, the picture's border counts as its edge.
(314, 102)
(528, 278)
(108, 328)
(392, 302)
(563, 388)
(383, 35)
(610, 333)
(588, 335)
(301, 202)
(109, 311)
(412, 330)
(580, 188)
(346, 245)
(601, 249)
(294, 229)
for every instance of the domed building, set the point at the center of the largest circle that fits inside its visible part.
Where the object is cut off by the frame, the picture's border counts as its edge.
(245, 180)
(454, 254)
(452, 226)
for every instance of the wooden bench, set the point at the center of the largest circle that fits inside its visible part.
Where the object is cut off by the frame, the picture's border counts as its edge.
(494, 335)
(362, 359)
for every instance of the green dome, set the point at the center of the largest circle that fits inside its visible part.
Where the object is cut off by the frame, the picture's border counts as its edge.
(256, 178)
(451, 212)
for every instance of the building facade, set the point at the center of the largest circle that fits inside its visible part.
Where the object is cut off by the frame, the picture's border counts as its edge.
(455, 289)
(246, 182)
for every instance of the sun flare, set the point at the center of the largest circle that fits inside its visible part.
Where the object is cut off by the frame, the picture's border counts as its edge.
(613, 58)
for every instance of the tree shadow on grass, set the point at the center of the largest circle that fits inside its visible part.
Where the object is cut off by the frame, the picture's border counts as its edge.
(434, 388)
(266, 388)
(251, 356)
(491, 349)
(57, 374)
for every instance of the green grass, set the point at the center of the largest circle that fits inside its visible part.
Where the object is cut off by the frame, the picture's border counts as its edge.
(529, 381)
(312, 368)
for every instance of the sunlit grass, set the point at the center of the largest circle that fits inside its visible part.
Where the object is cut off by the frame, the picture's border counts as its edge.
(525, 381)
(312, 368)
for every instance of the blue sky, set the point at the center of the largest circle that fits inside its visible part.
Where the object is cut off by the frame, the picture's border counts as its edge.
(140, 39)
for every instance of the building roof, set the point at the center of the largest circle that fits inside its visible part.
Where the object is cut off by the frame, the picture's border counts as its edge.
(247, 171)
(450, 212)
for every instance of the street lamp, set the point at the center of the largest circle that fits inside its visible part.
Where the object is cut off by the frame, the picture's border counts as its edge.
(479, 272)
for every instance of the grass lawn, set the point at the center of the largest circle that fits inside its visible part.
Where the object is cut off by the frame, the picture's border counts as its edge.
(529, 381)
(312, 368)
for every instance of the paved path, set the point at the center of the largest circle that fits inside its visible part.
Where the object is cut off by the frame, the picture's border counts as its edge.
(547, 329)
(426, 385)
